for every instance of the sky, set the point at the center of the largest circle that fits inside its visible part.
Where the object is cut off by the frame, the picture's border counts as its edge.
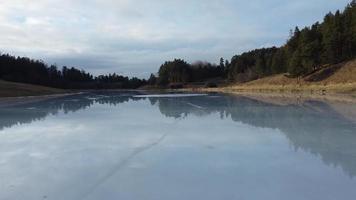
(134, 37)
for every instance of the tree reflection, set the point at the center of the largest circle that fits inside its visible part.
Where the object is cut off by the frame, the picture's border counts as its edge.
(312, 126)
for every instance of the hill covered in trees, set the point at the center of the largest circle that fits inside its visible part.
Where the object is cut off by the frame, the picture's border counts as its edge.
(307, 50)
(26, 70)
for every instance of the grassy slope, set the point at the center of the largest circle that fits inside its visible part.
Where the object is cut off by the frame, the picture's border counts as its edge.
(339, 78)
(12, 89)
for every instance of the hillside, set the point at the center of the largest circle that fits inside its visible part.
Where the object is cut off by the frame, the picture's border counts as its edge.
(339, 78)
(12, 89)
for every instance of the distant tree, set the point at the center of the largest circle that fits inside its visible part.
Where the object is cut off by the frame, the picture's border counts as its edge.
(330, 39)
(222, 67)
(222, 63)
(152, 80)
(279, 62)
(176, 71)
(295, 64)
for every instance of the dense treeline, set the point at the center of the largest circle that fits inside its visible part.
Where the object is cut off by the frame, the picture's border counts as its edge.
(252, 65)
(25, 70)
(179, 71)
(330, 42)
(322, 44)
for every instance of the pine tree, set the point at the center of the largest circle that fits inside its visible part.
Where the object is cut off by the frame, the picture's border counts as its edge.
(295, 67)
(279, 63)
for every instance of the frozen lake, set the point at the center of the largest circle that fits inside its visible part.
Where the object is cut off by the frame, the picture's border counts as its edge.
(129, 146)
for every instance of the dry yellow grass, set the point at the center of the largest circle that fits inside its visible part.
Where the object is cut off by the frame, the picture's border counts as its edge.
(342, 81)
(347, 74)
(11, 89)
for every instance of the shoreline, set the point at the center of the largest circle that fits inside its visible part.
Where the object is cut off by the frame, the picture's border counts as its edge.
(13, 101)
(297, 95)
(279, 97)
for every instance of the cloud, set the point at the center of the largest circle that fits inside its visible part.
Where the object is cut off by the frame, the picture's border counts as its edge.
(135, 36)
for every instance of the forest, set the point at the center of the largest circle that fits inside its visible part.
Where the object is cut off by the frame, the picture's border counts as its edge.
(25, 70)
(308, 49)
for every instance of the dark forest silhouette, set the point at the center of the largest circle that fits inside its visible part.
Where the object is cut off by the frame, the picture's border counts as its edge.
(25, 70)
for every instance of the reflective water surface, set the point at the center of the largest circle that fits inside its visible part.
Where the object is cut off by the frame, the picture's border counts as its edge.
(129, 146)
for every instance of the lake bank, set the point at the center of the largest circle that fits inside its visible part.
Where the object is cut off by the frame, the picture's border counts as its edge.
(275, 97)
(13, 89)
(14, 101)
(297, 93)
(12, 93)
(278, 95)
(335, 82)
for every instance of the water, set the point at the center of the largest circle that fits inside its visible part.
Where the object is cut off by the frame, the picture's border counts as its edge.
(129, 146)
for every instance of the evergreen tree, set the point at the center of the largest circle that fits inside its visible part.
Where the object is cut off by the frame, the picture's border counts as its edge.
(152, 80)
(279, 64)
